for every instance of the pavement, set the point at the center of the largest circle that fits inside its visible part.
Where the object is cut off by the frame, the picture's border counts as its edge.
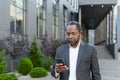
(110, 69)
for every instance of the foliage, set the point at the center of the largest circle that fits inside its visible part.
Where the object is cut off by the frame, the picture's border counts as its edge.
(36, 55)
(14, 45)
(25, 65)
(50, 44)
(2, 62)
(5, 76)
(47, 63)
(38, 72)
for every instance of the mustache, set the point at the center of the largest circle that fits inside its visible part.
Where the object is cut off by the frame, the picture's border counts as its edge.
(70, 41)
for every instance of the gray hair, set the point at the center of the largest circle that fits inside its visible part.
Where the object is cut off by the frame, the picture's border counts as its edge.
(75, 23)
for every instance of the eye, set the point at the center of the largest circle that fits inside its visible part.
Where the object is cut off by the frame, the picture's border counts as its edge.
(74, 33)
(68, 33)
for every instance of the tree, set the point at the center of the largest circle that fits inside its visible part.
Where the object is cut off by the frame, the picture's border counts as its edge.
(36, 55)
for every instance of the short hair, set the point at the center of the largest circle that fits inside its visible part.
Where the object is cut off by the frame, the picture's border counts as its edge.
(75, 23)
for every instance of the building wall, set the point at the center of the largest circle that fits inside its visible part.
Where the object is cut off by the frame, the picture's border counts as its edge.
(100, 33)
(61, 28)
(31, 17)
(4, 17)
(31, 21)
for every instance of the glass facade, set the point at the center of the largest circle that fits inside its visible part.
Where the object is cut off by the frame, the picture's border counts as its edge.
(41, 16)
(65, 18)
(17, 16)
(55, 18)
(18, 11)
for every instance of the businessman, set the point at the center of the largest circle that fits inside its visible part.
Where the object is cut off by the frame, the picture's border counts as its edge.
(79, 59)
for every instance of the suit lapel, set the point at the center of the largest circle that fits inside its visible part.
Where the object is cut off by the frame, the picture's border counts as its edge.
(67, 54)
(80, 53)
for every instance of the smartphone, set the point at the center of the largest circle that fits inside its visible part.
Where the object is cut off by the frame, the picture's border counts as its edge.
(59, 60)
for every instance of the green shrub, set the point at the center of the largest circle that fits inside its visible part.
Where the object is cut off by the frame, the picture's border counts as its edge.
(36, 54)
(2, 62)
(5, 76)
(47, 63)
(38, 72)
(25, 65)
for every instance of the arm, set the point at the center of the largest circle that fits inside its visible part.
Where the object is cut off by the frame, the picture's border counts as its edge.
(53, 71)
(58, 66)
(95, 66)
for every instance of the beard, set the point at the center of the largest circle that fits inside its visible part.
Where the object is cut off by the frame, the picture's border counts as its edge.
(73, 42)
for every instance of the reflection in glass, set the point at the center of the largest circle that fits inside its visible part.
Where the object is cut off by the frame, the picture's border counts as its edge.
(19, 20)
(17, 15)
(12, 17)
(41, 17)
(65, 18)
(55, 18)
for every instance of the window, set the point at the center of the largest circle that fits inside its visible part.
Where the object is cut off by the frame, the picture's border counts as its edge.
(17, 16)
(41, 11)
(76, 5)
(65, 18)
(55, 18)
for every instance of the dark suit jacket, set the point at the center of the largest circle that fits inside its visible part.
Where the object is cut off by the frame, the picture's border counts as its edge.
(87, 63)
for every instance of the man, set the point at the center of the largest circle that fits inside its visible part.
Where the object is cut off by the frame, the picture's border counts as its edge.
(80, 59)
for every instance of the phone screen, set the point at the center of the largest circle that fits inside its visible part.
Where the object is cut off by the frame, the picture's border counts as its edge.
(59, 60)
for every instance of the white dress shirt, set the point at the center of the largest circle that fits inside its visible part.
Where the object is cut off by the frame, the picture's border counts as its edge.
(73, 61)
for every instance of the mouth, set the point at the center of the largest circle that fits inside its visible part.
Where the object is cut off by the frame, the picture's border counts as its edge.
(71, 42)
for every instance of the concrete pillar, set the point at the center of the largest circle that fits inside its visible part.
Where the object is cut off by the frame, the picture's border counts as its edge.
(112, 28)
(108, 40)
(31, 13)
(48, 17)
(105, 30)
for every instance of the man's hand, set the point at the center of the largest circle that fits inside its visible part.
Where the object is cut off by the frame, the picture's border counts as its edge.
(61, 68)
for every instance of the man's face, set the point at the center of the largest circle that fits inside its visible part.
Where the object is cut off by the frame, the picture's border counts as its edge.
(73, 34)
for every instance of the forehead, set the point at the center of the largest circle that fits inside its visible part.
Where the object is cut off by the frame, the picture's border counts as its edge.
(71, 27)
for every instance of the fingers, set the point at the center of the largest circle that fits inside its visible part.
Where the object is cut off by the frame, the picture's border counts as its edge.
(61, 68)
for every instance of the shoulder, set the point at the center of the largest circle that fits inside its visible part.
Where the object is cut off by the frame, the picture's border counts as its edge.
(90, 49)
(88, 46)
(63, 46)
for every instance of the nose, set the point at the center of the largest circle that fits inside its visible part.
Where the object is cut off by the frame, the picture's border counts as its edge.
(70, 36)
